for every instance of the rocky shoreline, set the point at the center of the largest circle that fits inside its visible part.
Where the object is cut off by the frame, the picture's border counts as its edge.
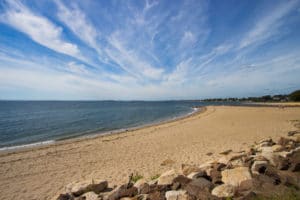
(266, 170)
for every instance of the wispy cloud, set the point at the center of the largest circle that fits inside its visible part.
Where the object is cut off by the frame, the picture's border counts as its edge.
(76, 20)
(38, 28)
(268, 25)
(147, 49)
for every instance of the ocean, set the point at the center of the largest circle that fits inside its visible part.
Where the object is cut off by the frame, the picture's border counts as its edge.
(27, 123)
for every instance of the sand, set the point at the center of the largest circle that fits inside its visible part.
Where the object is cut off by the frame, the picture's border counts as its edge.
(39, 173)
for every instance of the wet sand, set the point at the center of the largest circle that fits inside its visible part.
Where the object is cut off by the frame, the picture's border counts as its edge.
(40, 172)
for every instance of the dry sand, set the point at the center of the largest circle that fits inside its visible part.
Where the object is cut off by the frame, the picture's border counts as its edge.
(40, 172)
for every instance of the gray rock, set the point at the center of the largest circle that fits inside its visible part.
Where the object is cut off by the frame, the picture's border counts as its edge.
(197, 186)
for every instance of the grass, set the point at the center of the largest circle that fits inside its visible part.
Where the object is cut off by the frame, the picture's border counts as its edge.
(156, 176)
(136, 177)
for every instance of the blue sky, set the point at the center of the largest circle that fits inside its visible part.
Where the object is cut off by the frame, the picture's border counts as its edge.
(148, 50)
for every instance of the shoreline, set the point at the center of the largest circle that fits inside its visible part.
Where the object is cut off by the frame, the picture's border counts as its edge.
(43, 171)
(49, 143)
(197, 109)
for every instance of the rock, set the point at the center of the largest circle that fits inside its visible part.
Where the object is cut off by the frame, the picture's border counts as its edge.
(177, 195)
(206, 165)
(144, 188)
(89, 196)
(265, 142)
(167, 177)
(283, 141)
(196, 186)
(195, 175)
(292, 133)
(78, 188)
(181, 181)
(294, 158)
(259, 167)
(272, 173)
(65, 197)
(290, 179)
(226, 152)
(276, 160)
(224, 190)
(239, 177)
(277, 147)
(266, 149)
(156, 195)
(139, 183)
(123, 191)
(187, 169)
(215, 172)
(231, 157)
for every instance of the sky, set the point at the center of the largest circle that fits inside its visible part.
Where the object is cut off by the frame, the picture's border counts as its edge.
(148, 49)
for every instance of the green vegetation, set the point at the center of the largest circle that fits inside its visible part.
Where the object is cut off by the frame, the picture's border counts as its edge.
(135, 177)
(295, 96)
(154, 177)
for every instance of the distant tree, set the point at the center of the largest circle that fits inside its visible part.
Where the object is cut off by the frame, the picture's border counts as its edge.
(295, 96)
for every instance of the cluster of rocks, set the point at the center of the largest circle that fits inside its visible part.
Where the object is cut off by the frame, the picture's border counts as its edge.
(265, 169)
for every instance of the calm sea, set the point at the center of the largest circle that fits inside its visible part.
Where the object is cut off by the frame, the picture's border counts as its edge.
(36, 122)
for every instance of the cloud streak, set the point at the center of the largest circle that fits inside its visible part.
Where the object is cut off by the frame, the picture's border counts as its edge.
(38, 28)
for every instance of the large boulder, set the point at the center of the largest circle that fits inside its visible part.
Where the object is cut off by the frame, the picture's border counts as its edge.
(177, 195)
(224, 190)
(239, 177)
(79, 188)
(197, 186)
(167, 177)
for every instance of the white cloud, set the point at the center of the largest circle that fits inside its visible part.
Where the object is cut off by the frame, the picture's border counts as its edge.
(76, 20)
(38, 28)
(269, 25)
(129, 61)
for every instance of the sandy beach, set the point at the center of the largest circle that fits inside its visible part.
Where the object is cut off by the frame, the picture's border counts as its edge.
(43, 171)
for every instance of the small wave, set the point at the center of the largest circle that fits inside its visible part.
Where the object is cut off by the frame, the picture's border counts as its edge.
(27, 145)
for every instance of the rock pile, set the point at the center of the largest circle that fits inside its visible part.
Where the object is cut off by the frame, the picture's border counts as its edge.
(266, 169)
